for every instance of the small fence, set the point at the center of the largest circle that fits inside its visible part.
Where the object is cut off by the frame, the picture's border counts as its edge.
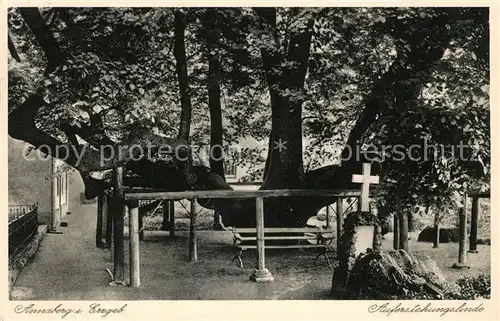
(144, 197)
(23, 226)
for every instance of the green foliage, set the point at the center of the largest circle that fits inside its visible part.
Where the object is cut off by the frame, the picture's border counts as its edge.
(119, 75)
(449, 115)
(472, 288)
(25, 76)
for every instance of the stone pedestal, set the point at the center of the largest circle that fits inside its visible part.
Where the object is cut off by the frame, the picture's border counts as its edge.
(262, 276)
(364, 238)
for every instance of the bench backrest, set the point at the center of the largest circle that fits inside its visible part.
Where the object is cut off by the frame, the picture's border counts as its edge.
(283, 230)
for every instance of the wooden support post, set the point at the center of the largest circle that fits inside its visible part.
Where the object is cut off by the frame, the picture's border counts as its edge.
(166, 216)
(437, 229)
(141, 226)
(328, 213)
(340, 220)
(134, 264)
(109, 220)
(100, 222)
(395, 232)
(261, 274)
(473, 225)
(118, 222)
(403, 232)
(193, 251)
(171, 205)
(111, 212)
(462, 245)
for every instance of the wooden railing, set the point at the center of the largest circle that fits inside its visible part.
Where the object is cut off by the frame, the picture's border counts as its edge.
(261, 272)
(130, 194)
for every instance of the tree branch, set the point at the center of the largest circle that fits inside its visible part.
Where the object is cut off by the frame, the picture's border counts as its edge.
(13, 50)
(45, 38)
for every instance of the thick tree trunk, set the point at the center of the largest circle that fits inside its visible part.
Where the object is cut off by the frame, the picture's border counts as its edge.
(395, 232)
(403, 231)
(284, 165)
(214, 94)
(473, 225)
(182, 74)
(216, 149)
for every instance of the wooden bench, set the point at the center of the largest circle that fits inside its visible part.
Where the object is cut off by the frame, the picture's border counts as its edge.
(319, 238)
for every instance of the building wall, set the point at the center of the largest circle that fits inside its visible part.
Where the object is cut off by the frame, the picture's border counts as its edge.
(29, 178)
(33, 177)
(60, 175)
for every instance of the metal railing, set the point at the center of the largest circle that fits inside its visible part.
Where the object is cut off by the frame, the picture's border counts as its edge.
(16, 211)
(23, 226)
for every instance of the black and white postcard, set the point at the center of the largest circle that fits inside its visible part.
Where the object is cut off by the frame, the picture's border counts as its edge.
(263, 161)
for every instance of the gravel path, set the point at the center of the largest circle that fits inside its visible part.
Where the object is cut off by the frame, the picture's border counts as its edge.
(68, 266)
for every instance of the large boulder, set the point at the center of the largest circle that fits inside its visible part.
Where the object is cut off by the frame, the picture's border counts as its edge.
(446, 235)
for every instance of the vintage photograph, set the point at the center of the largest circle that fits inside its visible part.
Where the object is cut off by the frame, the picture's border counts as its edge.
(248, 153)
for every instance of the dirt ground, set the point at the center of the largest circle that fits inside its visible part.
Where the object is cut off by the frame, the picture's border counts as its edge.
(70, 267)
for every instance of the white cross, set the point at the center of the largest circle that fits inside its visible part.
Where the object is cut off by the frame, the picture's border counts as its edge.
(366, 180)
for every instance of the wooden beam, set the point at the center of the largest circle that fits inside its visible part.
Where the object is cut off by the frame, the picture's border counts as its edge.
(340, 220)
(462, 252)
(328, 210)
(134, 264)
(132, 195)
(166, 216)
(100, 221)
(261, 274)
(109, 220)
(261, 261)
(172, 217)
(193, 251)
(436, 229)
(282, 230)
(473, 225)
(395, 232)
(141, 226)
(118, 225)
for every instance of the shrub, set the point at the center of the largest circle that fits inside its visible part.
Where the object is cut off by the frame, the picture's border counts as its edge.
(393, 275)
(472, 288)
(446, 235)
